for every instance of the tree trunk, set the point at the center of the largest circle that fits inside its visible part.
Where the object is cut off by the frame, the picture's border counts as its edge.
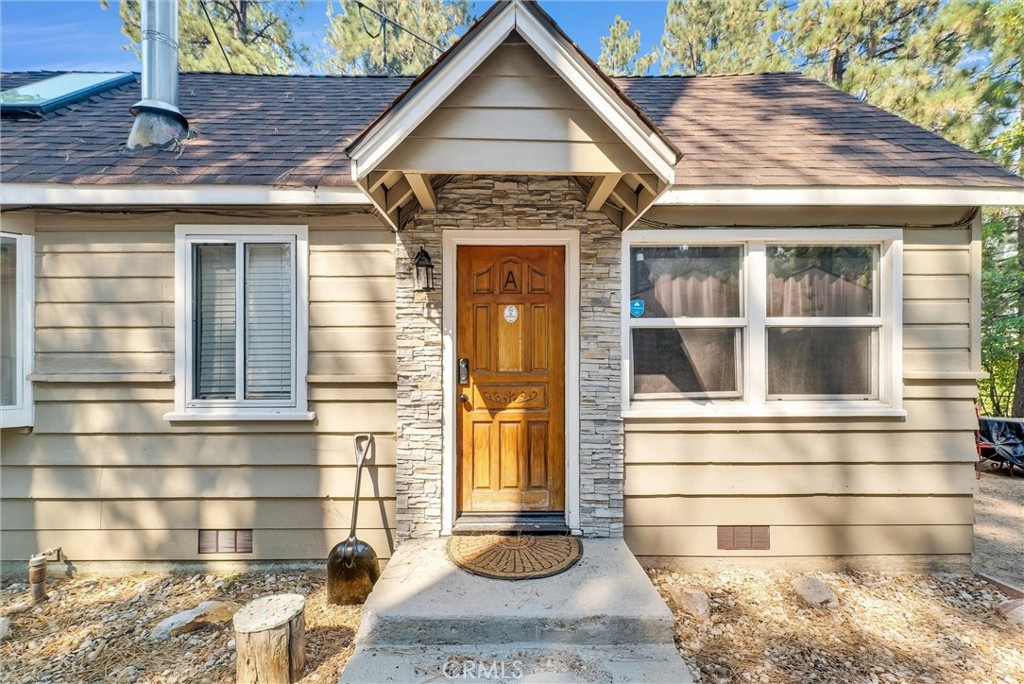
(1017, 409)
(1018, 389)
(836, 66)
(270, 640)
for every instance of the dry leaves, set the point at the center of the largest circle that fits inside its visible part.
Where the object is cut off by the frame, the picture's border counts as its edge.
(97, 629)
(887, 628)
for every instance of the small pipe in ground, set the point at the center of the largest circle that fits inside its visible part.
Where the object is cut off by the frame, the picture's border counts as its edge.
(37, 572)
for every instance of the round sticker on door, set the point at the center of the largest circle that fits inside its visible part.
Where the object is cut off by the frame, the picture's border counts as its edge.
(511, 313)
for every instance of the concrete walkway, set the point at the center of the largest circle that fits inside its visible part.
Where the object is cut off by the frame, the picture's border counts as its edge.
(430, 621)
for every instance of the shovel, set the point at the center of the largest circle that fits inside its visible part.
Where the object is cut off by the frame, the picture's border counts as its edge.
(352, 567)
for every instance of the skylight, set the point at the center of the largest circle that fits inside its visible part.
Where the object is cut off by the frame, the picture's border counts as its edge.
(59, 91)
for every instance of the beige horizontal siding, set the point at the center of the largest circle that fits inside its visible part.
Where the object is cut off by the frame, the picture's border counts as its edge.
(798, 510)
(106, 477)
(810, 540)
(825, 217)
(938, 305)
(827, 486)
(117, 315)
(922, 415)
(515, 114)
(182, 545)
(799, 479)
(142, 417)
(799, 447)
(199, 448)
(217, 482)
(951, 287)
(105, 290)
(131, 514)
(953, 336)
(933, 262)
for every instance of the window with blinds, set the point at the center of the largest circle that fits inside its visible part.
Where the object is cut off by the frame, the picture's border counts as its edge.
(243, 307)
(241, 323)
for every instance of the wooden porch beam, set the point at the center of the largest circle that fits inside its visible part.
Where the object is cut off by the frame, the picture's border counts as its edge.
(626, 196)
(600, 190)
(423, 190)
(375, 179)
(398, 194)
(616, 215)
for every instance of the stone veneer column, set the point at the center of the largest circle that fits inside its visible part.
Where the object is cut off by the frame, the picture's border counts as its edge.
(520, 202)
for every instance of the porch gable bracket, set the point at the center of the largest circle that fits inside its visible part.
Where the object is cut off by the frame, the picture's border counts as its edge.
(637, 156)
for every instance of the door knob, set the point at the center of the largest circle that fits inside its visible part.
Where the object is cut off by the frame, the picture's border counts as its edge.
(463, 397)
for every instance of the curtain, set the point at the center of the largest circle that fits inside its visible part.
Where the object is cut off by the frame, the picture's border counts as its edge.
(816, 292)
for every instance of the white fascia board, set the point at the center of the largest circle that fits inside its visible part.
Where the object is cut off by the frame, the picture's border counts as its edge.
(57, 194)
(401, 121)
(936, 196)
(608, 105)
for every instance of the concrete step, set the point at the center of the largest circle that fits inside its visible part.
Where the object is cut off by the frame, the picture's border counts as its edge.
(428, 620)
(424, 598)
(517, 664)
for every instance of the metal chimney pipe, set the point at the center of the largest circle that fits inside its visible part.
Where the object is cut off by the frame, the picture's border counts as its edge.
(157, 117)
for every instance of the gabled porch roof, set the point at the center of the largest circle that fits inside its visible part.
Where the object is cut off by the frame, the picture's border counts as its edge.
(588, 129)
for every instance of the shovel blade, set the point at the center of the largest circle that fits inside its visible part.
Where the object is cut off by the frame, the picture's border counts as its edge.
(352, 570)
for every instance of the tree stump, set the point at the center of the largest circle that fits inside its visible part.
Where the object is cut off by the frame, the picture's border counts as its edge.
(270, 640)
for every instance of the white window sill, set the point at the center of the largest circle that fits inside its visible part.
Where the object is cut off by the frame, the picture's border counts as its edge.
(11, 417)
(234, 416)
(734, 411)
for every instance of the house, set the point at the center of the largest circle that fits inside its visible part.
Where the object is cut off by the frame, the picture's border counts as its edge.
(730, 318)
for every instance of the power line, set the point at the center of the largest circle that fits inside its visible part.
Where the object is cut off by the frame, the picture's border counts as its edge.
(202, 3)
(383, 31)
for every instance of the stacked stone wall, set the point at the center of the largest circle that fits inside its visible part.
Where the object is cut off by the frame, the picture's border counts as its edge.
(510, 203)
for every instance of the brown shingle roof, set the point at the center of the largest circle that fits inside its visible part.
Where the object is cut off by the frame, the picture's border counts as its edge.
(786, 129)
(761, 130)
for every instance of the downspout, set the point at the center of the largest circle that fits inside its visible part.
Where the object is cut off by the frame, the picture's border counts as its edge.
(157, 117)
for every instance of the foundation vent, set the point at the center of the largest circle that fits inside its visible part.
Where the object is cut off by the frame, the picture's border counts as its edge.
(743, 538)
(225, 541)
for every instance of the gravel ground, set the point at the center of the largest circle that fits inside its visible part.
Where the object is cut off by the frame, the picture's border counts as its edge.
(907, 628)
(96, 629)
(999, 526)
(886, 628)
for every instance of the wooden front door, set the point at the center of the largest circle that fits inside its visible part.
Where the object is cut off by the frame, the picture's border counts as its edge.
(511, 411)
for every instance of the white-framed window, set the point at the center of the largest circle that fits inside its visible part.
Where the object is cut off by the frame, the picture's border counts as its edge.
(17, 300)
(241, 329)
(762, 322)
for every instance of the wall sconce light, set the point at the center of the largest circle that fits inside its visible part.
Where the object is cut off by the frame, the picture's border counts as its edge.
(424, 274)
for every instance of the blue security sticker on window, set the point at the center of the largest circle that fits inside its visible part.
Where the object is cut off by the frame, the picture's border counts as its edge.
(636, 308)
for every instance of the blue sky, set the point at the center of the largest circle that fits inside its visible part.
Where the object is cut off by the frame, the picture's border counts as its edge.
(79, 35)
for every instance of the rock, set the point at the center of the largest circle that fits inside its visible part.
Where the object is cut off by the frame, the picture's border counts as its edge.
(5, 627)
(131, 672)
(1012, 610)
(814, 592)
(208, 614)
(691, 601)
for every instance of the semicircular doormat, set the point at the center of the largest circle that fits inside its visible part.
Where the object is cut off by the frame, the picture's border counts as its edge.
(514, 557)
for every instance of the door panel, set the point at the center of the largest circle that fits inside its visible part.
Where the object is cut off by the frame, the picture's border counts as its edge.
(511, 325)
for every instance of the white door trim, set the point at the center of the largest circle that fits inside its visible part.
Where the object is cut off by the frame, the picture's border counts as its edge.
(570, 239)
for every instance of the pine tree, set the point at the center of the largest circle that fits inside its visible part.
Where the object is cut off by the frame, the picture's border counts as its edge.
(1002, 343)
(722, 36)
(915, 58)
(257, 36)
(355, 39)
(620, 51)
